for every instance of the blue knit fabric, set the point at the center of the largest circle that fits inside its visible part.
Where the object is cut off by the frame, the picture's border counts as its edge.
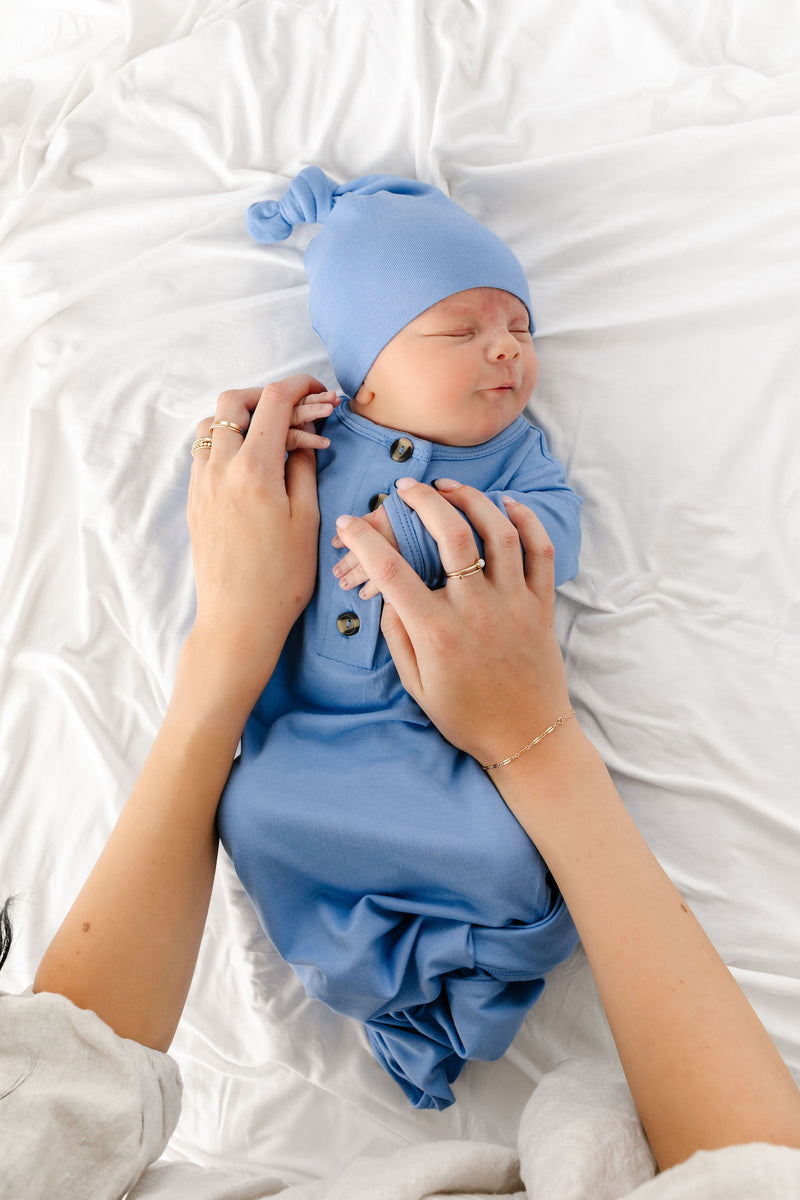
(388, 249)
(382, 862)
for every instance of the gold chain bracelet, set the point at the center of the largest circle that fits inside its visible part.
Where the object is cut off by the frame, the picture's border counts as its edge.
(550, 728)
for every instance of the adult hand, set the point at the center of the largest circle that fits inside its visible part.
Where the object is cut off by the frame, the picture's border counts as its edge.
(253, 520)
(480, 655)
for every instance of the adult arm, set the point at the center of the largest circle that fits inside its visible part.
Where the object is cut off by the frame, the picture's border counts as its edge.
(128, 946)
(481, 657)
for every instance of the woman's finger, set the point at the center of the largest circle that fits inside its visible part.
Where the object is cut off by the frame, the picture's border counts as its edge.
(301, 486)
(502, 549)
(386, 569)
(200, 454)
(233, 409)
(271, 419)
(538, 549)
(457, 547)
(401, 649)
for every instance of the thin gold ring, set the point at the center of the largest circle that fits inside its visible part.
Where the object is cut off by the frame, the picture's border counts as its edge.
(227, 425)
(201, 444)
(472, 569)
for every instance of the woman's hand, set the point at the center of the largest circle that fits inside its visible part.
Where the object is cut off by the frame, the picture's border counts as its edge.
(480, 655)
(128, 946)
(253, 521)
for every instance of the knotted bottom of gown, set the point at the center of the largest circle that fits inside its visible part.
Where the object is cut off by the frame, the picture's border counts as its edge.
(425, 1048)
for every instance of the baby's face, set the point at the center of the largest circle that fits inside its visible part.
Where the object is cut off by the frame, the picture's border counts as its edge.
(459, 373)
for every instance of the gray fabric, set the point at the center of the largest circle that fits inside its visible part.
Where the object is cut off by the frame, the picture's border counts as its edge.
(83, 1111)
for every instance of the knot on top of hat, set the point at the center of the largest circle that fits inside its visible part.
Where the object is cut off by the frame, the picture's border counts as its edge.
(308, 199)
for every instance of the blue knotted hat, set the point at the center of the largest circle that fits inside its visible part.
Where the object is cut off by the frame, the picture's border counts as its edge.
(388, 249)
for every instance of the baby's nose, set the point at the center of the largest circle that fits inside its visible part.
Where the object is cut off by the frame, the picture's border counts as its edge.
(505, 346)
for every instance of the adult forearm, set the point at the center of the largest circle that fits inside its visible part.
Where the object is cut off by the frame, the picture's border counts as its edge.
(701, 1067)
(128, 946)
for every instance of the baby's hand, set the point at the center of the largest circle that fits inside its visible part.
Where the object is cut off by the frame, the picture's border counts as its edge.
(348, 570)
(309, 409)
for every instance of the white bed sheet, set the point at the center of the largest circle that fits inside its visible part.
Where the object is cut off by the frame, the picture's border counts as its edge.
(642, 161)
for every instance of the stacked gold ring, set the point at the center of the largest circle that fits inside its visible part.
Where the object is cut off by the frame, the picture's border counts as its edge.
(472, 569)
(204, 443)
(228, 425)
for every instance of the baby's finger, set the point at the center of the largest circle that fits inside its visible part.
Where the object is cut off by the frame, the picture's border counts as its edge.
(345, 564)
(353, 578)
(387, 570)
(297, 438)
(308, 410)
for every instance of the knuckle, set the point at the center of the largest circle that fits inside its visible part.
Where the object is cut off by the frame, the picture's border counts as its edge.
(274, 393)
(385, 573)
(227, 396)
(509, 539)
(461, 540)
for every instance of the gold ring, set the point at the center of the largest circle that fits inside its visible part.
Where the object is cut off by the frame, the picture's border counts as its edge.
(472, 569)
(227, 425)
(201, 444)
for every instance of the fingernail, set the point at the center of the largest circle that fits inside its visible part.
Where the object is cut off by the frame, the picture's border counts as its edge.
(343, 521)
(445, 485)
(509, 500)
(404, 484)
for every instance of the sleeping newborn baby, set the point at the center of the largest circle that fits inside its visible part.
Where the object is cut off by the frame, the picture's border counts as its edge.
(382, 862)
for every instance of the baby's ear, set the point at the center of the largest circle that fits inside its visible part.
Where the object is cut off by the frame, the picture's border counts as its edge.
(364, 395)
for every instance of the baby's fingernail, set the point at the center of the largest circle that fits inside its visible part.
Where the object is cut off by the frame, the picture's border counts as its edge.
(365, 593)
(343, 521)
(445, 485)
(403, 484)
(508, 500)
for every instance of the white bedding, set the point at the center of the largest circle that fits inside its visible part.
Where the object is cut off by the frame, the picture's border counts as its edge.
(642, 161)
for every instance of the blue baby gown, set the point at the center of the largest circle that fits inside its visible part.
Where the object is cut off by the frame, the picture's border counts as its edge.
(382, 862)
